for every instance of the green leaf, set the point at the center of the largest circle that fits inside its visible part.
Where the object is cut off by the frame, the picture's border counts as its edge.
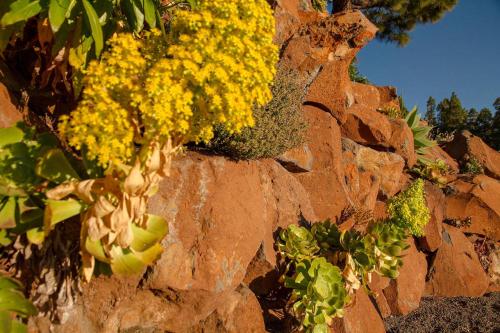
(149, 12)
(13, 300)
(5, 322)
(10, 135)
(8, 212)
(133, 12)
(18, 327)
(20, 10)
(4, 238)
(57, 13)
(157, 228)
(54, 166)
(36, 236)
(95, 248)
(59, 210)
(95, 27)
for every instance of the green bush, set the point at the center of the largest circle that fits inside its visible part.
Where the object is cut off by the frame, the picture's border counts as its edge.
(472, 166)
(319, 5)
(409, 209)
(279, 126)
(434, 171)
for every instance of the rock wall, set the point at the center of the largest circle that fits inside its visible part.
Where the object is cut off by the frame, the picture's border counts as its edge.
(217, 272)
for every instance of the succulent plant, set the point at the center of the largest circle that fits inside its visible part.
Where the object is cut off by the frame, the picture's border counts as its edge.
(29, 164)
(327, 234)
(297, 243)
(421, 140)
(409, 210)
(388, 241)
(13, 305)
(318, 293)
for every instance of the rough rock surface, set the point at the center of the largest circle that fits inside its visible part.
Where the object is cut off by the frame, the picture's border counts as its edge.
(466, 145)
(325, 183)
(220, 212)
(360, 317)
(456, 270)
(386, 167)
(436, 152)
(434, 229)
(479, 200)
(299, 159)
(9, 114)
(403, 294)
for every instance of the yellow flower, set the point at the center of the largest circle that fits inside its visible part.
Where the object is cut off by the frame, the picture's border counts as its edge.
(218, 62)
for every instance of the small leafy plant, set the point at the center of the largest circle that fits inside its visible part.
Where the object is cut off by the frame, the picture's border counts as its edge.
(13, 306)
(420, 133)
(319, 5)
(391, 112)
(409, 209)
(472, 166)
(279, 125)
(434, 171)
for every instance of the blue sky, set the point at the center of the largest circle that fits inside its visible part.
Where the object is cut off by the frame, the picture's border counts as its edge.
(460, 53)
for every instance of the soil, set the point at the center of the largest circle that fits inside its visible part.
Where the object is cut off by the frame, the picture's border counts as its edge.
(450, 315)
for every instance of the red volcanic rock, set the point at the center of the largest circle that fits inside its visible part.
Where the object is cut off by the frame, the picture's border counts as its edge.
(360, 317)
(436, 152)
(433, 230)
(220, 212)
(403, 294)
(9, 114)
(386, 167)
(465, 146)
(325, 183)
(299, 159)
(456, 270)
(478, 200)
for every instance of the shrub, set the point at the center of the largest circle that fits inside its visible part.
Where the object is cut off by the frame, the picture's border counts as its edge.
(472, 166)
(354, 73)
(409, 209)
(434, 171)
(279, 126)
(319, 5)
(391, 112)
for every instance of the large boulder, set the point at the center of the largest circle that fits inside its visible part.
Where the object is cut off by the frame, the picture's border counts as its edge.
(476, 200)
(325, 184)
(385, 166)
(220, 213)
(455, 269)
(403, 294)
(465, 146)
(365, 125)
(437, 153)
(290, 15)
(434, 228)
(360, 316)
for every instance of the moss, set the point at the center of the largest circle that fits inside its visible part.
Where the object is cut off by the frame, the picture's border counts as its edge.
(279, 126)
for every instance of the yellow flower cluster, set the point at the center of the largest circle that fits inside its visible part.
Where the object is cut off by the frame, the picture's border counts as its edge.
(219, 62)
(409, 209)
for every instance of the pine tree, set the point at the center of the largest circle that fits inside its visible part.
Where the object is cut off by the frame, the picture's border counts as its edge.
(452, 116)
(484, 123)
(430, 114)
(496, 104)
(472, 121)
(495, 128)
(395, 18)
